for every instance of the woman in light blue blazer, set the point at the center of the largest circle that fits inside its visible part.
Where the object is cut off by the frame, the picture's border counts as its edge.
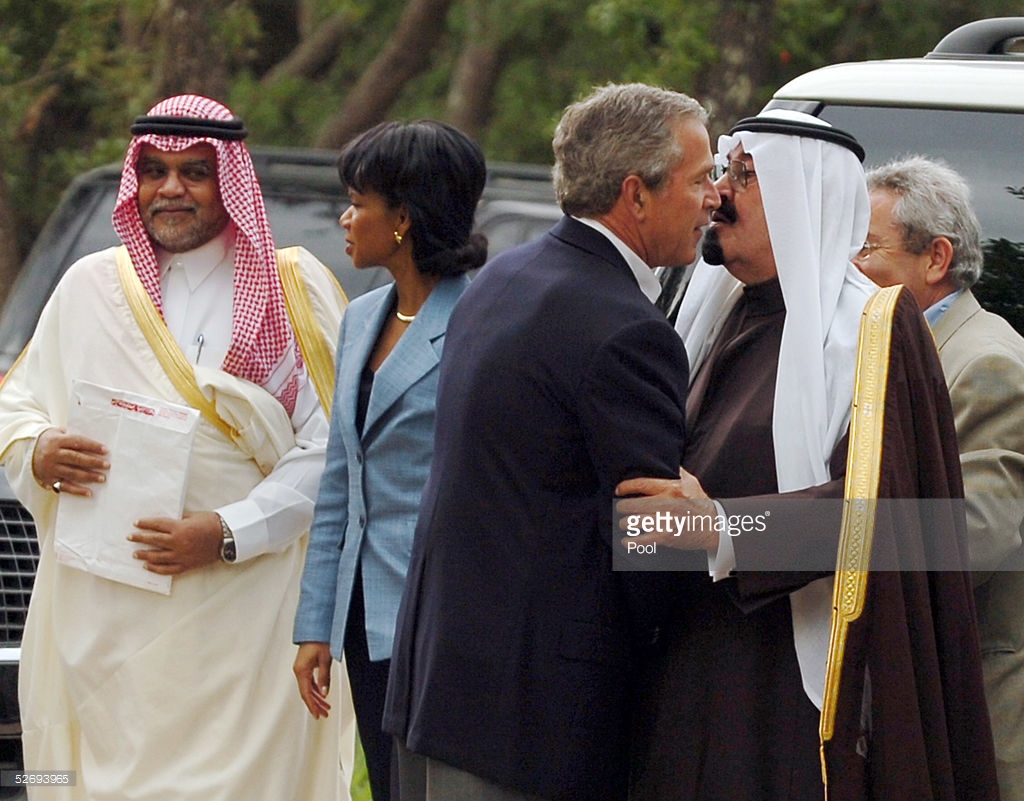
(413, 190)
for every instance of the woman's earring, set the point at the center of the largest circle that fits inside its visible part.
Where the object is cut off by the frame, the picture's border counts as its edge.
(398, 237)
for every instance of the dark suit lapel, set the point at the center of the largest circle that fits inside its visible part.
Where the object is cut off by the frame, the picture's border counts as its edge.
(580, 235)
(417, 352)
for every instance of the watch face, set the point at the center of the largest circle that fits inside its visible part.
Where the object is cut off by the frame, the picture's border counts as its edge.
(227, 550)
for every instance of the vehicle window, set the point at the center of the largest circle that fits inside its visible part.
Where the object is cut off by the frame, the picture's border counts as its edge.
(97, 232)
(299, 215)
(313, 223)
(508, 223)
(308, 221)
(984, 147)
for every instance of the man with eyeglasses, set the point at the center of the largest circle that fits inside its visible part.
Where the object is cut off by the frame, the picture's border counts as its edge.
(748, 698)
(925, 235)
(157, 658)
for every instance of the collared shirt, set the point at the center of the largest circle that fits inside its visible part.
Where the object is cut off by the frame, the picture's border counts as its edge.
(720, 564)
(198, 289)
(644, 274)
(934, 313)
(198, 292)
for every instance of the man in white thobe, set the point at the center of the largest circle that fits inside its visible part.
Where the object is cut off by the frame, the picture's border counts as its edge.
(187, 695)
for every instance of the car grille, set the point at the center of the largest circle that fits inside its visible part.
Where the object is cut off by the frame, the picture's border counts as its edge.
(19, 557)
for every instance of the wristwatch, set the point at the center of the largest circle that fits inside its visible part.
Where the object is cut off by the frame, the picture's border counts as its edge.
(227, 544)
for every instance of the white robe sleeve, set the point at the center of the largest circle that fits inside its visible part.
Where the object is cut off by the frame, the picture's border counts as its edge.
(280, 508)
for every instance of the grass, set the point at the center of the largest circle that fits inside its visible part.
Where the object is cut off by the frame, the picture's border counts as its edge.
(360, 779)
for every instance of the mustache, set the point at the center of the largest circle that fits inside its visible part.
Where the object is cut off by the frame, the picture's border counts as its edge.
(726, 212)
(156, 208)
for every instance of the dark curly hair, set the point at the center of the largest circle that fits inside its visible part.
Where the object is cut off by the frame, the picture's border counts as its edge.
(438, 173)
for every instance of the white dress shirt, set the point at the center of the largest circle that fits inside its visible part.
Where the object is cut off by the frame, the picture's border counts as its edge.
(643, 272)
(198, 290)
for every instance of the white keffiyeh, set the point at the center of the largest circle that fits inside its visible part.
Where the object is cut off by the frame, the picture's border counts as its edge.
(817, 209)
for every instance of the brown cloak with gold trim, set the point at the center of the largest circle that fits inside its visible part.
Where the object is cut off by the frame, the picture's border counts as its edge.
(722, 712)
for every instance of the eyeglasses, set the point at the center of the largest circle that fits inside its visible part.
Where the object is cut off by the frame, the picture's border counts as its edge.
(869, 248)
(915, 243)
(739, 173)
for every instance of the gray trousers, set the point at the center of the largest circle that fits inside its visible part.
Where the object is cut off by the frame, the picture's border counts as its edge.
(421, 778)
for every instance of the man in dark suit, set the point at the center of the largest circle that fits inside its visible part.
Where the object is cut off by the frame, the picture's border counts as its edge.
(513, 664)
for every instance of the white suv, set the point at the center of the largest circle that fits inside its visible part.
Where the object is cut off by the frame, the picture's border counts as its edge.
(963, 103)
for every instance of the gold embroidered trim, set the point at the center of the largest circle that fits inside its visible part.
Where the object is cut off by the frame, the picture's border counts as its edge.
(14, 365)
(167, 351)
(860, 494)
(315, 349)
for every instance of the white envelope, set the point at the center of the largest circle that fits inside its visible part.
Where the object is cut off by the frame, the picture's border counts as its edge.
(149, 442)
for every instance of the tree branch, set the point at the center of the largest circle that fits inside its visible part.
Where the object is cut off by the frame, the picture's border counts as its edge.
(312, 56)
(481, 62)
(406, 55)
(9, 263)
(730, 85)
(471, 94)
(187, 62)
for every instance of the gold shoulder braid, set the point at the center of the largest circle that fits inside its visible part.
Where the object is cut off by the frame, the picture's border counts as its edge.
(860, 494)
(167, 351)
(315, 349)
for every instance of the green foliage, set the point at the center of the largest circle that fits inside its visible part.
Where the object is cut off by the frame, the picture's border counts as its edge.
(559, 49)
(657, 42)
(286, 113)
(1001, 288)
(74, 72)
(238, 31)
(67, 83)
(812, 33)
(805, 28)
(30, 26)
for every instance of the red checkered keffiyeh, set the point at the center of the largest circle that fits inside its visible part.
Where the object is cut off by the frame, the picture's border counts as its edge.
(262, 337)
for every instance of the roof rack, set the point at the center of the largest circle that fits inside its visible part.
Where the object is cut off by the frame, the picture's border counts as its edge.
(996, 38)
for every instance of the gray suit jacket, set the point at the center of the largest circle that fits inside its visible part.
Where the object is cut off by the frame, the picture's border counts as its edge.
(983, 360)
(370, 491)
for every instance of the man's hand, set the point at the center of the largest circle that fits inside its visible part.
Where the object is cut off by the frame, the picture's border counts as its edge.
(312, 670)
(70, 459)
(682, 498)
(176, 546)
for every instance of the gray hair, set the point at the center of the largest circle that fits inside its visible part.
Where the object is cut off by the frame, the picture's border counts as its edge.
(932, 199)
(618, 130)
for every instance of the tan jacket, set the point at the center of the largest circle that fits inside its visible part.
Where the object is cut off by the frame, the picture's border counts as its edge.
(983, 360)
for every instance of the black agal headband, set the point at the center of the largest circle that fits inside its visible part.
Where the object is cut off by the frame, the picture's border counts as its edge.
(193, 127)
(778, 125)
